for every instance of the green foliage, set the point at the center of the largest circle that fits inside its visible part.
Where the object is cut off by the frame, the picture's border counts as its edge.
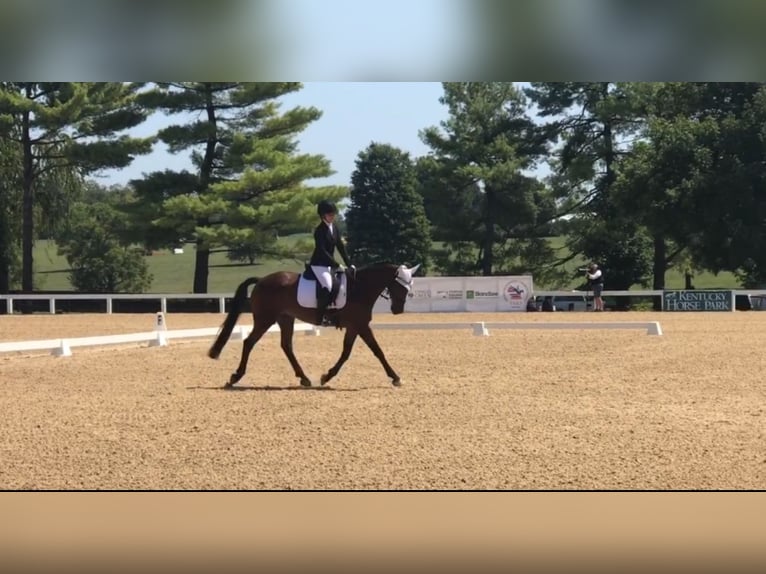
(593, 121)
(474, 186)
(10, 214)
(64, 131)
(99, 262)
(623, 253)
(386, 220)
(698, 177)
(249, 185)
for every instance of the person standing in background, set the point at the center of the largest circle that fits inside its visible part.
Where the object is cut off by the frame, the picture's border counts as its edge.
(596, 283)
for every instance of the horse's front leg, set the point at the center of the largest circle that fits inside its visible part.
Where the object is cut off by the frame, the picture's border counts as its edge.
(348, 344)
(369, 338)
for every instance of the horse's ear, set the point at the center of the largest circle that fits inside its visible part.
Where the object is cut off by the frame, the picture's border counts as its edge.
(414, 269)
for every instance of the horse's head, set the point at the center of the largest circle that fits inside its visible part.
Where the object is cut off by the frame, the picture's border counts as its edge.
(400, 287)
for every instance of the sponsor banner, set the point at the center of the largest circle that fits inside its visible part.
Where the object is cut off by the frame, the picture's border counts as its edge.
(447, 294)
(514, 293)
(481, 294)
(419, 299)
(698, 301)
(450, 294)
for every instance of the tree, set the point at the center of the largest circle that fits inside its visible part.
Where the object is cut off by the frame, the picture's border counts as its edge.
(249, 181)
(386, 220)
(474, 184)
(100, 262)
(66, 130)
(10, 219)
(594, 121)
(696, 180)
(722, 182)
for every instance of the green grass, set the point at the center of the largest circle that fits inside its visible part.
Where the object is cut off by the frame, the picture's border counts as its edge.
(172, 273)
(175, 273)
(674, 278)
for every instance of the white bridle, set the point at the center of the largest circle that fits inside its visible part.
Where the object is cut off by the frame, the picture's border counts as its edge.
(404, 276)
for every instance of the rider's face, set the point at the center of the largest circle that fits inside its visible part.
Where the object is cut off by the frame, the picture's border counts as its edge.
(329, 217)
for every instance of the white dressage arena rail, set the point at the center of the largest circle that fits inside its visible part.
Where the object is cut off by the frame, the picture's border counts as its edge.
(159, 337)
(482, 328)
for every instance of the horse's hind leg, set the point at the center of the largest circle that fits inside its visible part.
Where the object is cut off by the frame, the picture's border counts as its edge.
(259, 328)
(286, 327)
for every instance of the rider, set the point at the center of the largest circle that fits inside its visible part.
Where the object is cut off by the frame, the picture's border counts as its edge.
(326, 239)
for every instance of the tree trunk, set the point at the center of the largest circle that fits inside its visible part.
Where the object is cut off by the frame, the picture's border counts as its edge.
(688, 280)
(202, 259)
(5, 264)
(201, 268)
(28, 204)
(660, 261)
(5, 244)
(659, 267)
(489, 234)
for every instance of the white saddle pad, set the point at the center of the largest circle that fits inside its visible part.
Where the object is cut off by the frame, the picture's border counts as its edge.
(307, 293)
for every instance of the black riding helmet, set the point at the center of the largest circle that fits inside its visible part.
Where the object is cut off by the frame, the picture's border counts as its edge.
(324, 207)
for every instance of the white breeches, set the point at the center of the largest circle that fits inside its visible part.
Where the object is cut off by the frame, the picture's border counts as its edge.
(323, 276)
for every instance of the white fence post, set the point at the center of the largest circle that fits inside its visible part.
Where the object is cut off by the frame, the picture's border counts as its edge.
(222, 304)
(52, 306)
(63, 350)
(10, 305)
(109, 305)
(164, 305)
(480, 329)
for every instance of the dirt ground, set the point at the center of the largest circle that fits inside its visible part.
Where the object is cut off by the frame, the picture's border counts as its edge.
(542, 409)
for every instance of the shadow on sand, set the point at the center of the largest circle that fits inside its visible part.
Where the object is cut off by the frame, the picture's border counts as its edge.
(272, 388)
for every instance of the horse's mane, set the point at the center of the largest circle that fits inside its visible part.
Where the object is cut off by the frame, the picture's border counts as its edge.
(379, 264)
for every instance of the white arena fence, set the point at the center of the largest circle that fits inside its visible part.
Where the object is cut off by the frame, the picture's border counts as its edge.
(429, 295)
(160, 336)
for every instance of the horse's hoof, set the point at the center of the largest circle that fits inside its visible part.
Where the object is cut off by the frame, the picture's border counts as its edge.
(324, 378)
(305, 382)
(397, 382)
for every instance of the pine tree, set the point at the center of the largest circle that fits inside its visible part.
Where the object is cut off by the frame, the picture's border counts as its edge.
(386, 220)
(475, 183)
(66, 130)
(10, 213)
(249, 180)
(592, 119)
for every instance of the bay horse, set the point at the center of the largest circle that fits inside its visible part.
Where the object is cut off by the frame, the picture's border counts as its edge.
(274, 299)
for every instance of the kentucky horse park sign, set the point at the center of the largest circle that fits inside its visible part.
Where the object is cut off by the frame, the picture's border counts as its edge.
(698, 300)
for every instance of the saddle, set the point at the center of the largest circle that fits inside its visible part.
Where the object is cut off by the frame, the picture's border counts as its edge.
(308, 299)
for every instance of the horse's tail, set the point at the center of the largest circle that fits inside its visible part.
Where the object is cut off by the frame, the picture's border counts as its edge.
(237, 306)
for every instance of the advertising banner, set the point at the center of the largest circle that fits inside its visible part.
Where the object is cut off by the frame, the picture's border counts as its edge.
(419, 300)
(481, 294)
(472, 294)
(698, 301)
(514, 293)
(447, 294)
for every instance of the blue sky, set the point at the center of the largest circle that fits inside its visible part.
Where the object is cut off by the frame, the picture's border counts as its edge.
(354, 39)
(354, 115)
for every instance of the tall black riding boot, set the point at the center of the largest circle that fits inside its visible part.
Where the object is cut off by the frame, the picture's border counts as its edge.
(323, 300)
